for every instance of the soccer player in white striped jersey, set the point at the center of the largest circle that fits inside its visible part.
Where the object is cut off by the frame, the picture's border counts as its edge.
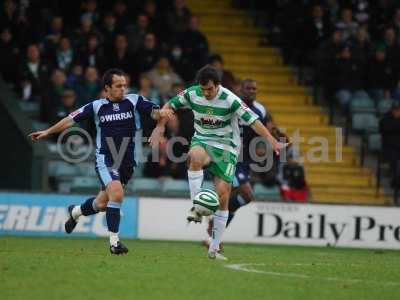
(216, 142)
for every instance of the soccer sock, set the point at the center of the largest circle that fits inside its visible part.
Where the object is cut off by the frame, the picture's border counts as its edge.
(89, 207)
(235, 203)
(76, 212)
(113, 217)
(195, 182)
(220, 218)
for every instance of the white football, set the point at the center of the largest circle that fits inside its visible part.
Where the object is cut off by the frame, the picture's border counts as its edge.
(206, 202)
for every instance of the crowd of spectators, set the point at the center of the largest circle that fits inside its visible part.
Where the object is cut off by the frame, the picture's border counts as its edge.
(348, 49)
(54, 52)
(351, 45)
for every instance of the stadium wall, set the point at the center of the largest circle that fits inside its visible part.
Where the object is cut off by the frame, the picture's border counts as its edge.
(44, 215)
(164, 219)
(279, 223)
(20, 159)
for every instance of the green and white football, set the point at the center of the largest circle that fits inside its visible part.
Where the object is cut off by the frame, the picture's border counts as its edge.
(206, 202)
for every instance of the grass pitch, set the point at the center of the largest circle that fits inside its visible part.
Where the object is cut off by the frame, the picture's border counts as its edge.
(73, 268)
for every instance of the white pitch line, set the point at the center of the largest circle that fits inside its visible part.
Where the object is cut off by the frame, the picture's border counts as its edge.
(247, 268)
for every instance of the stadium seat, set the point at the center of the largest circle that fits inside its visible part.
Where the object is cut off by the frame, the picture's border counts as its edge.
(375, 142)
(87, 169)
(360, 94)
(138, 171)
(262, 192)
(362, 122)
(362, 105)
(31, 109)
(384, 106)
(39, 125)
(174, 187)
(63, 169)
(84, 184)
(149, 186)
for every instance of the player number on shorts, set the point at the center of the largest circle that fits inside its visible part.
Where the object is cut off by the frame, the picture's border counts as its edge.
(229, 170)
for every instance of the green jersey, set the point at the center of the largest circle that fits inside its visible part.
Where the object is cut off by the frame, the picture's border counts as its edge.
(216, 121)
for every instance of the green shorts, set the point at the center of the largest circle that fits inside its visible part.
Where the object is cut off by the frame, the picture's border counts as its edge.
(223, 163)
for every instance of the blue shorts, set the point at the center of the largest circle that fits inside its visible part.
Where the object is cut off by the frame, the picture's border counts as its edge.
(106, 172)
(242, 174)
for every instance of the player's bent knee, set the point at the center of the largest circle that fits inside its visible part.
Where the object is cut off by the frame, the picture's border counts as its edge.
(118, 195)
(196, 161)
(101, 206)
(115, 191)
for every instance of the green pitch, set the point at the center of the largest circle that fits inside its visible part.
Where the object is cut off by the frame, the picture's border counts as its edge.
(72, 268)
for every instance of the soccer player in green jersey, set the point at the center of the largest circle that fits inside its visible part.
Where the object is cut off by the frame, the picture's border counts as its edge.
(216, 142)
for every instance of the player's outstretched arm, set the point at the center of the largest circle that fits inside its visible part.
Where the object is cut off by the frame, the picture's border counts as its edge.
(56, 128)
(261, 130)
(163, 115)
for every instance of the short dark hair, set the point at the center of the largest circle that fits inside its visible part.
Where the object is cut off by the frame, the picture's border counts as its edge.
(108, 77)
(208, 73)
(246, 81)
(215, 57)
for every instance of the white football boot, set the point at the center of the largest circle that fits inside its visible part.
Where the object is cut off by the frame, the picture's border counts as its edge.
(217, 255)
(194, 216)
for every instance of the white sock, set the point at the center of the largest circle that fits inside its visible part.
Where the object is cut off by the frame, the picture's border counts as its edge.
(195, 182)
(114, 239)
(76, 212)
(220, 218)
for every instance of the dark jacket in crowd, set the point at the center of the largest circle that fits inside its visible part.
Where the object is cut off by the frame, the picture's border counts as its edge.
(390, 129)
(348, 74)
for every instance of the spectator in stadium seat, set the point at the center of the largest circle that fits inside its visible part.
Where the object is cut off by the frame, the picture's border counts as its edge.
(121, 14)
(349, 77)
(178, 18)
(228, 80)
(108, 30)
(148, 54)
(390, 129)
(156, 167)
(90, 87)
(93, 54)
(68, 104)
(382, 77)
(9, 56)
(147, 90)
(53, 36)
(346, 23)
(362, 10)
(90, 10)
(326, 57)
(317, 29)
(396, 24)
(120, 57)
(176, 59)
(51, 97)
(84, 31)
(177, 129)
(9, 15)
(361, 45)
(135, 33)
(33, 74)
(75, 77)
(194, 47)
(155, 19)
(392, 48)
(163, 77)
(64, 55)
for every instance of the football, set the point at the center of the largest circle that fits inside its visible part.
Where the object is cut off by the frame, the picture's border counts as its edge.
(206, 202)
